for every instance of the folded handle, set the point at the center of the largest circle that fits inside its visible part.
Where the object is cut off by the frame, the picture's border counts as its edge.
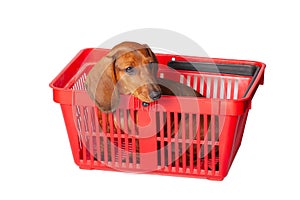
(245, 70)
(236, 69)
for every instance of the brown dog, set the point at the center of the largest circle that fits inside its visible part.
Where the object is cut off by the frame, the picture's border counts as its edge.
(130, 68)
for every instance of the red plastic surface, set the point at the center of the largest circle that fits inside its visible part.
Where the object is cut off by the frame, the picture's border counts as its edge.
(149, 146)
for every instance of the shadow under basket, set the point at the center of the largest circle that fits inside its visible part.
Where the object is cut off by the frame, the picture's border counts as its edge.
(178, 136)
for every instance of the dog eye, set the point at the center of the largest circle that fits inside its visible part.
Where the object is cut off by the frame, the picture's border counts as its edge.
(130, 70)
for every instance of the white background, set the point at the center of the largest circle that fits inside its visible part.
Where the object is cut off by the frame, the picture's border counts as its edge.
(38, 38)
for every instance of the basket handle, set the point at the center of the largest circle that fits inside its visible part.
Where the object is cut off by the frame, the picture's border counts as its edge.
(236, 69)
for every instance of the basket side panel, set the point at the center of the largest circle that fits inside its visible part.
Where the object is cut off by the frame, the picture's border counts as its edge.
(239, 135)
(67, 112)
(227, 136)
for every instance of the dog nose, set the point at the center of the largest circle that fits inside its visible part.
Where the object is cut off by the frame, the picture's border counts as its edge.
(155, 95)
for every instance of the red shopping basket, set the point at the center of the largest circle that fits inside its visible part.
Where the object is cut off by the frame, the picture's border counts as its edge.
(180, 136)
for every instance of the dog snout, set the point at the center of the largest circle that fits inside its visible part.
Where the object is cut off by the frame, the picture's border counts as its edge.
(155, 95)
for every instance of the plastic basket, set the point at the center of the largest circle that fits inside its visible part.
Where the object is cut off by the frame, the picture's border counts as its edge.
(212, 127)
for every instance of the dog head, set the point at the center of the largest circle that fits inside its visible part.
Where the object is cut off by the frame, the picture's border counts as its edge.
(129, 68)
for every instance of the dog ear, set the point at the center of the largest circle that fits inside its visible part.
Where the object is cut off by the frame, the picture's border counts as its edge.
(101, 84)
(154, 64)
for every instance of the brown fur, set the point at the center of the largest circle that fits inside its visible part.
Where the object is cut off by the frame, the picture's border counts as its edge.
(108, 78)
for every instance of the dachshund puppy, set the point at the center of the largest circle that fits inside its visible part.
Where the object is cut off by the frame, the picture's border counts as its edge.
(130, 68)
